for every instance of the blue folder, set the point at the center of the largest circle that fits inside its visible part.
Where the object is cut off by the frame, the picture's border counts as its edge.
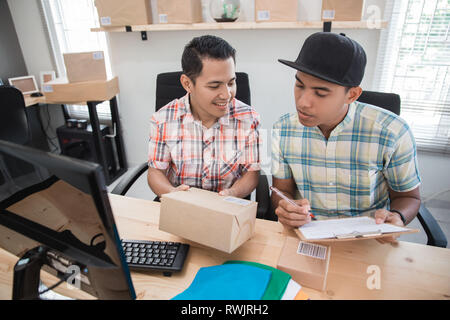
(227, 282)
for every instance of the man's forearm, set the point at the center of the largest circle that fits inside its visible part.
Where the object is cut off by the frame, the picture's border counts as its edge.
(408, 206)
(158, 182)
(246, 184)
(408, 203)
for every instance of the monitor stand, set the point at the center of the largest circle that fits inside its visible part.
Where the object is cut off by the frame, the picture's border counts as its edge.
(27, 273)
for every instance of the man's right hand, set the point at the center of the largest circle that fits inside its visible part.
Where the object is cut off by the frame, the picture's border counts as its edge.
(293, 216)
(181, 187)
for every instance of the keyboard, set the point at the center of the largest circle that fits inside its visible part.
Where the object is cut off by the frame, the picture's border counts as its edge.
(162, 256)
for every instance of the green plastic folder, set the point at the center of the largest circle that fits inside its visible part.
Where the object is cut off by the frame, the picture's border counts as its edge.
(277, 284)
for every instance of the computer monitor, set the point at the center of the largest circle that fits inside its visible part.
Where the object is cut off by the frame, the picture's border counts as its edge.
(60, 214)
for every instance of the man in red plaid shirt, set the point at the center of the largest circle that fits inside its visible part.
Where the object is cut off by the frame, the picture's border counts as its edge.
(207, 139)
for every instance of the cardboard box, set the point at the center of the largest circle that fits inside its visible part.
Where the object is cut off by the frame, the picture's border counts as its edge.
(180, 11)
(280, 10)
(223, 223)
(342, 10)
(306, 262)
(60, 90)
(85, 66)
(112, 13)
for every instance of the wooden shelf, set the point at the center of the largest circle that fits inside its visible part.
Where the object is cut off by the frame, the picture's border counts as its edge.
(244, 25)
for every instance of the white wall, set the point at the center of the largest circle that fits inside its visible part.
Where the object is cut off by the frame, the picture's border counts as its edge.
(434, 170)
(32, 36)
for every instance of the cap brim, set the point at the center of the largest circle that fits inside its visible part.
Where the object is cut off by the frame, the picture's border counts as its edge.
(301, 68)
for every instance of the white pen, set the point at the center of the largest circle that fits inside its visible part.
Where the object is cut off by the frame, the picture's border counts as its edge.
(278, 192)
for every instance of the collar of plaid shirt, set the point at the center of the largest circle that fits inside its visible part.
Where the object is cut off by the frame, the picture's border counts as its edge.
(348, 120)
(185, 110)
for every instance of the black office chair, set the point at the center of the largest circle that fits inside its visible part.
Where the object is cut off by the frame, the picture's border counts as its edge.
(168, 87)
(14, 127)
(388, 101)
(391, 102)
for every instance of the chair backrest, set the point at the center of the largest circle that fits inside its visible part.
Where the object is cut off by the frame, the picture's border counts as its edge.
(388, 101)
(14, 125)
(168, 87)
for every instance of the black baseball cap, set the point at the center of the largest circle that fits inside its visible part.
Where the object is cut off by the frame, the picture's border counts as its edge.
(331, 57)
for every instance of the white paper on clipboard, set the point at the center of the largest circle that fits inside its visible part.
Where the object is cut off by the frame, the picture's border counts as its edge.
(334, 228)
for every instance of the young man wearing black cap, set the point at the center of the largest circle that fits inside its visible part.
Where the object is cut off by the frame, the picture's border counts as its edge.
(345, 158)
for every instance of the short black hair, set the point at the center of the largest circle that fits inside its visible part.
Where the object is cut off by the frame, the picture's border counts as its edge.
(202, 47)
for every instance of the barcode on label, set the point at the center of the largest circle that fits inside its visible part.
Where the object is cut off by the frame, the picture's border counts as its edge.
(312, 250)
(328, 14)
(163, 18)
(263, 15)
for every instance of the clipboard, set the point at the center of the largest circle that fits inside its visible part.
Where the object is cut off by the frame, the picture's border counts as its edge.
(354, 234)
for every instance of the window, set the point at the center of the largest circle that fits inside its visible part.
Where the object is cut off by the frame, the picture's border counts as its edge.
(414, 61)
(69, 23)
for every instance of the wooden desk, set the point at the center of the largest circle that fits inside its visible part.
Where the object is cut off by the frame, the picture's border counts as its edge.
(70, 93)
(408, 271)
(31, 101)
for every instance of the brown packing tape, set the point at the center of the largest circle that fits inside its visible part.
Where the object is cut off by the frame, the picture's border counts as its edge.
(246, 231)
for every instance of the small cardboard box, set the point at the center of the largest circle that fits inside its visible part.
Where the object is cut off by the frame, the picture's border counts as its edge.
(280, 10)
(342, 10)
(223, 223)
(85, 66)
(180, 11)
(60, 90)
(306, 262)
(113, 13)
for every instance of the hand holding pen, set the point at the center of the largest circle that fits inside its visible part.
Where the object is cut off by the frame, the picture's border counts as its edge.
(294, 213)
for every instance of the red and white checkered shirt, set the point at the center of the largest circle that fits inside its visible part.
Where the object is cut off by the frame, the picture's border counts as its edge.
(211, 159)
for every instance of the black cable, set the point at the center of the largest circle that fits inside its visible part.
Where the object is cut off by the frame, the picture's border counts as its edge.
(44, 130)
(64, 279)
(95, 237)
(49, 121)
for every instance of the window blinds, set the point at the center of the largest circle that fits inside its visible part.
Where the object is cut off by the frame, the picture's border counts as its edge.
(413, 61)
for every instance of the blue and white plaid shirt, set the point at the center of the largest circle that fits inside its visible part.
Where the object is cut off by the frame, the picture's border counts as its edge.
(348, 174)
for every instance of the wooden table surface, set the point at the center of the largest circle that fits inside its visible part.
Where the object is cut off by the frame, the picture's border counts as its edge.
(407, 270)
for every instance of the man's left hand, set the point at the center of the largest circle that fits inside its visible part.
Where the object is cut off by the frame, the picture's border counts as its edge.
(227, 192)
(385, 216)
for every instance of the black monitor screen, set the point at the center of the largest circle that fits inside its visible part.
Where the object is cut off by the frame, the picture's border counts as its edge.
(62, 204)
